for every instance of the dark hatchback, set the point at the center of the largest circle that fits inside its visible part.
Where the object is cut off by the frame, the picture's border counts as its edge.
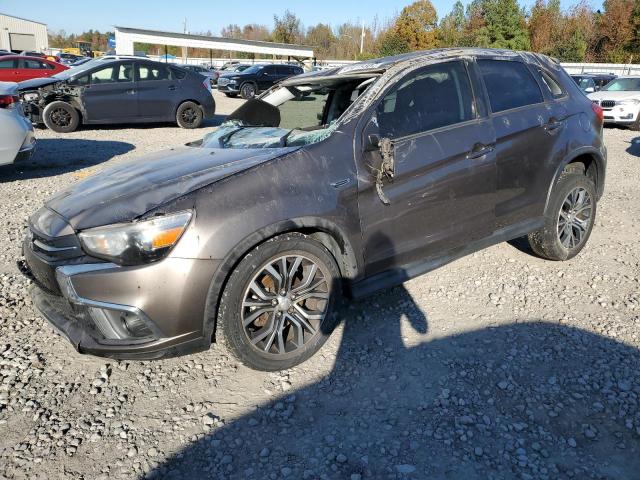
(118, 91)
(255, 79)
(338, 182)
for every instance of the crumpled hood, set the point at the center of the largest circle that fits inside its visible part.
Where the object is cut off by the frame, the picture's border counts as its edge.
(36, 83)
(127, 191)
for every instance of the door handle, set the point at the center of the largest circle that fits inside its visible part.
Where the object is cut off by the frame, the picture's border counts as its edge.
(172, 87)
(479, 150)
(131, 92)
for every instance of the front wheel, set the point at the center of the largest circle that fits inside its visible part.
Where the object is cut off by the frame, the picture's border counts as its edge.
(569, 219)
(60, 117)
(189, 115)
(277, 308)
(248, 91)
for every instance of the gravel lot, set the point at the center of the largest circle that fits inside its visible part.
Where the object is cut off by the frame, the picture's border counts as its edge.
(500, 365)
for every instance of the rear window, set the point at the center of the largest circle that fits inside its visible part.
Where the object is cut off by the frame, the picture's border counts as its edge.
(148, 72)
(178, 74)
(509, 84)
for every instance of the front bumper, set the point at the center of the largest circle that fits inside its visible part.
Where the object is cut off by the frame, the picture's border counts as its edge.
(88, 305)
(621, 114)
(229, 88)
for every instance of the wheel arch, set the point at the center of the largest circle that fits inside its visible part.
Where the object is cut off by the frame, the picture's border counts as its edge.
(593, 166)
(327, 233)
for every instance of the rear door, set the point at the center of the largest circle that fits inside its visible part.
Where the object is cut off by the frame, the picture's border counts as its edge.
(110, 95)
(443, 192)
(527, 126)
(29, 68)
(157, 89)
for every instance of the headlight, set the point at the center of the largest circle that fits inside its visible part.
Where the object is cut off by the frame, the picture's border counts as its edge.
(30, 97)
(136, 243)
(631, 101)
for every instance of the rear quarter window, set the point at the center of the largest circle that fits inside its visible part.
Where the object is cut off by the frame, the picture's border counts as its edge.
(509, 84)
(177, 74)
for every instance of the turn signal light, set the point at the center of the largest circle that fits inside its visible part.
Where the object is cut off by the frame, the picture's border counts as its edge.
(8, 101)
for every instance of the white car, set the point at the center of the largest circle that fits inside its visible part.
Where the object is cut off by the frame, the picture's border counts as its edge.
(620, 100)
(17, 140)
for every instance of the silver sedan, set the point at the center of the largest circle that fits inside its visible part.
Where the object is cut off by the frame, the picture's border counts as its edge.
(17, 140)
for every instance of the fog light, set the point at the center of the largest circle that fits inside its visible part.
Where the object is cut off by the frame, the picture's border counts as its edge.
(134, 324)
(118, 325)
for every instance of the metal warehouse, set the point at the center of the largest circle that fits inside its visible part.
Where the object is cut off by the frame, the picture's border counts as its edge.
(19, 34)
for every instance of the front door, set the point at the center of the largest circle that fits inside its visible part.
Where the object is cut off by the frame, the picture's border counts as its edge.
(442, 195)
(110, 94)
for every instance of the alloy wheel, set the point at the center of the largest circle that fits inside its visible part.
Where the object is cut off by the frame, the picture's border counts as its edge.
(61, 117)
(248, 91)
(189, 115)
(285, 304)
(575, 217)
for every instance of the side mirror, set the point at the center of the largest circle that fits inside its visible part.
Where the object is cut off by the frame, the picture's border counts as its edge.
(589, 89)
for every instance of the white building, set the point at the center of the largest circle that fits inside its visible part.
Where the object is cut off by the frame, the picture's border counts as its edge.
(19, 34)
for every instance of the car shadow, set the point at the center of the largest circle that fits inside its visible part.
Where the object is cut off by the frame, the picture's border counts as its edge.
(214, 121)
(634, 147)
(522, 244)
(526, 400)
(56, 156)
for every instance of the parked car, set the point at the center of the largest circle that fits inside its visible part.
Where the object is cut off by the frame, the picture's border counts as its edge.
(229, 68)
(80, 61)
(16, 68)
(620, 101)
(69, 58)
(255, 79)
(17, 141)
(339, 182)
(592, 82)
(46, 56)
(205, 72)
(118, 91)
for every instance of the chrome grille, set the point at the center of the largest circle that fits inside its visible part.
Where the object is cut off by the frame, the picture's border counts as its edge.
(608, 103)
(223, 81)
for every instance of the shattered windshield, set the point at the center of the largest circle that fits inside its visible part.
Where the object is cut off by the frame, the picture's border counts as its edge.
(287, 117)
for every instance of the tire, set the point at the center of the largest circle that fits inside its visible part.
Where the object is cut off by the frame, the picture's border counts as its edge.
(248, 91)
(249, 282)
(60, 117)
(189, 115)
(573, 192)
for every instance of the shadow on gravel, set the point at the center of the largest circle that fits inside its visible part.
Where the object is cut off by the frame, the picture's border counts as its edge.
(210, 122)
(56, 156)
(634, 147)
(531, 400)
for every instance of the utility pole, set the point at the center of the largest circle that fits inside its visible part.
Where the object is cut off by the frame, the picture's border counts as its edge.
(184, 49)
(362, 38)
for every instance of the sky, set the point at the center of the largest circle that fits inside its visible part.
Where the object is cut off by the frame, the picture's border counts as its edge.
(77, 16)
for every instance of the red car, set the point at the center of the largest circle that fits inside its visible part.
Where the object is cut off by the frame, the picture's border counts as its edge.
(16, 68)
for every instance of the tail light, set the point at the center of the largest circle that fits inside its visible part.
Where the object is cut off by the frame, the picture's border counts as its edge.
(9, 101)
(597, 109)
(207, 83)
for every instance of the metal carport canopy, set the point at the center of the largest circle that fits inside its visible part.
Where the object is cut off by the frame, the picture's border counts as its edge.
(125, 37)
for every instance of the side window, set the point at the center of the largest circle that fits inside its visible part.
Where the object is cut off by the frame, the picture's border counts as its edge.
(104, 75)
(8, 63)
(432, 97)
(149, 72)
(112, 74)
(509, 84)
(177, 74)
(83, 80)
(124, 73)
(551, 83)
(33, 64)
(270, 70)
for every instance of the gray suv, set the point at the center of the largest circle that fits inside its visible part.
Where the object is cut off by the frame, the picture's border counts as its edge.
(333, 183)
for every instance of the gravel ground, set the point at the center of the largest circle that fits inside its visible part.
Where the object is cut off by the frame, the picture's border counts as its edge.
(499, 365)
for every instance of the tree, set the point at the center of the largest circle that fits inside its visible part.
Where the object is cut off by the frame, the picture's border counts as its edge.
(287, 29)
(390, 43)
(417, 26)
(545, 25)
(451, 27)
(322, 39)
(615, 33)
(505, 24)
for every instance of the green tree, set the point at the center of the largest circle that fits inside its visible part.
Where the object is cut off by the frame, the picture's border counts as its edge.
(287, 29)
(452, 26)
(505, 24)
(322, 39)
(390, 43)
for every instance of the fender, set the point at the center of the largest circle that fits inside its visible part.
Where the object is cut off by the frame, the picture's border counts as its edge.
(338, 244)
(600, 161)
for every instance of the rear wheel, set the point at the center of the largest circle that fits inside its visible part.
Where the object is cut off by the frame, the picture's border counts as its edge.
(569, 220)
(60, 117)
(189, 115)
(277, 308)
(248, 91)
